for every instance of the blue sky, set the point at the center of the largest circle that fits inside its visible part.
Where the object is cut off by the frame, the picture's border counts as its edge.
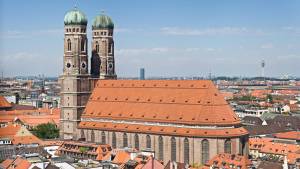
(168, 38)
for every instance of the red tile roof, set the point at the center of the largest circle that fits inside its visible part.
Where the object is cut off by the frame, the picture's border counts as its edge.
(227, 161)
(293, 157)
(191, 102)
(31, 117)
(4, 103)
(18, 163)
(180, 131)
(293, 135)
(18, 135)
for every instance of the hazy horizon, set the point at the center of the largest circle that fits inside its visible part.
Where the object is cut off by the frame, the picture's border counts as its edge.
(167, 38)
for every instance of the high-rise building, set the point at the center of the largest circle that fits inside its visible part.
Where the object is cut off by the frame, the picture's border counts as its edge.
(142, 74)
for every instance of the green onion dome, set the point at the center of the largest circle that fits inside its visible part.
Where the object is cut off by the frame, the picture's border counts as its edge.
(103, 22)
(75, 17)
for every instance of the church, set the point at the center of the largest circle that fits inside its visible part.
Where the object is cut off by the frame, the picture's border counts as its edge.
(187, 121)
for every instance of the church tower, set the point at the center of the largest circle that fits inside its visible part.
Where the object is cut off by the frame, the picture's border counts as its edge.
(75, 87)
(102, 61)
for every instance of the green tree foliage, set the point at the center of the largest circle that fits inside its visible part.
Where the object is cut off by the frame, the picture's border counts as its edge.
(46, 131)
(83, 149)
(269, 98)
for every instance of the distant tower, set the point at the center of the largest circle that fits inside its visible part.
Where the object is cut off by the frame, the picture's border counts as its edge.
(103, 61)
(75, 78)
(142, 74)
(263, 64)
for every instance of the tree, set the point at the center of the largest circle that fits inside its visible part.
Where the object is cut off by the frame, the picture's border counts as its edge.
(269, 98)
(46, 131)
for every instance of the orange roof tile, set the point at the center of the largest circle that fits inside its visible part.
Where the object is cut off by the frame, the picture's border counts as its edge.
(279, 148)
(180, 131)
(292, 157)
(121, 157)
(4, 103)
(31, 117)
(294, 135)
(18, 135)
(189, 102)
(225, 161)
(18, 163)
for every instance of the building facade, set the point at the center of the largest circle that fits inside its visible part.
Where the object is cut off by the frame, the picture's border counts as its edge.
(184, 121)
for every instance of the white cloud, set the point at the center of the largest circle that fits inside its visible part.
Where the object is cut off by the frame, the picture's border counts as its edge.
(16, 34)
(267, 46)
(210, 31)
(141, 51)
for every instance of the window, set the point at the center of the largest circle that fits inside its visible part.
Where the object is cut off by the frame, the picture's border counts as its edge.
(173, 149)
(103, 138)
(114, 140)
(69, 44)
(110, 48)
(125, 140)
(148, 141)
(82, 134)
(82, 44)
(93, 136)
(186, 151)
(205, 151)
(136, 142)
(97, 47)
(227, 146)
(161, 148)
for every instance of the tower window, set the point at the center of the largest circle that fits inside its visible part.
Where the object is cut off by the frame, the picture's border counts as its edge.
(77, 30)
(110, 48)
(97, 47)
(104, 33)
(82, 44)
(101, 33)
(73, 29)
(69, 44)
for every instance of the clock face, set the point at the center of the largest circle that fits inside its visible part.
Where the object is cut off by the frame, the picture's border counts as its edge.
(83, 65)
(110, 66)
(68, 65)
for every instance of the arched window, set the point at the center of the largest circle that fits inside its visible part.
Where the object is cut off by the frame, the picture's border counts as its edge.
(125, 140)
(173, 149)
(82, 45)
(114, 140)
(136, 142)
(82, 134)
(186, 151)
(93, 136)
(148, 141)
(227, 146)
(205, 151)
(97, 47)
(110, 47)
(103, 137)
(161, 148)
(69, 44)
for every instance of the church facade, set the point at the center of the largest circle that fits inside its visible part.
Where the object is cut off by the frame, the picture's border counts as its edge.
(186, 121)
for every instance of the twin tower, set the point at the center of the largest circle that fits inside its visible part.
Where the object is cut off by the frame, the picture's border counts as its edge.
(76, 81)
